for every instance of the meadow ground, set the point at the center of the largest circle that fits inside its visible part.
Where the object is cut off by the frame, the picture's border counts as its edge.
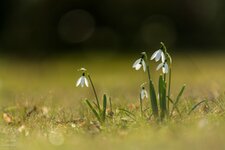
(42, 109)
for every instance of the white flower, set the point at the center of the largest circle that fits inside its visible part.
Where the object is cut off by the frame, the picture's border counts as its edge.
(82, 81)
(164, 66)
(144, 93)
(157, 55)
(138, 63)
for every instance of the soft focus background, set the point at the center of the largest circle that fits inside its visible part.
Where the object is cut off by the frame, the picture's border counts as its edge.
(44, 42)
(45, 28)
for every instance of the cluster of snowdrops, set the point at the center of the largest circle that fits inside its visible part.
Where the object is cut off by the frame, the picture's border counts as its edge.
(161, 104)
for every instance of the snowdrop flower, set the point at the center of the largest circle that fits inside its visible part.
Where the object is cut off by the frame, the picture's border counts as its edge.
(164, 66)
(139, 63)
(144, 93)
(157, 55)
(82, 81)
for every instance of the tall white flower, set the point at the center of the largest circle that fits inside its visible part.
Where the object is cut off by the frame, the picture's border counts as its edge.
(164, 66)
(144, 93)
(82, 81)
(139, 63)
(157, 55)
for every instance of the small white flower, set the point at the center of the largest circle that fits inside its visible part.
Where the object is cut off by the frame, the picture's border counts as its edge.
(157, 55)
(139, 63)
(164, 66)
(144, 93)
(82, 81)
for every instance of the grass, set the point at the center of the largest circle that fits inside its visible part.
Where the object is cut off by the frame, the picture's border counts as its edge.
(49, 112)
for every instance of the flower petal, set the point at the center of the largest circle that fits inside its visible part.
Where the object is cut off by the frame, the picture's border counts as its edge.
(82, 81)
(159, 66)
(137, 62)
(86, 81)
(163, 57)
(146, 94)
(154, 54)
(143, 65)
(142, 95)
(138, 66)
(158, 56)
(78, 82)
(165, 68)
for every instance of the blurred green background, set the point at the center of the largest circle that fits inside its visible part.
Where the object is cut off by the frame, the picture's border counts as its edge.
(106, 37)
(52, 27)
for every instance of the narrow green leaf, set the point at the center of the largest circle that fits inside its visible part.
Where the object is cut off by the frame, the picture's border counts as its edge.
(175, 107)
(104, 107)
(128, 113)
(93, 110)
(180, 94)
(121, 109)
(154, 104)
(170, 58)
(110, 103)
(162, 97)
(178, 98)
(195, 106)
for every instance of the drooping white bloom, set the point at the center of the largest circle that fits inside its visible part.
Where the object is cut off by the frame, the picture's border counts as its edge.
(144, 93)
(82, 81)
(164, 66)
(139, 63)
(157, 55)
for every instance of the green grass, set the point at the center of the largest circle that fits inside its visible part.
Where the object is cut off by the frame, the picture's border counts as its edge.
(42, 97)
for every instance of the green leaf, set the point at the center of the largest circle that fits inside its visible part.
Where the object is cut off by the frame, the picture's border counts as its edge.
(178, 98)
(93, 110)
(104, 107)
(195, 106)
(180, 94)
(174, 106)
(154, 104)
(128, 113)
(162, 97)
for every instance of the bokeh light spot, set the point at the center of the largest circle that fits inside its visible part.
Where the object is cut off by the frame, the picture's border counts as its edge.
(76, 26)
(156, 29)
(56, 138)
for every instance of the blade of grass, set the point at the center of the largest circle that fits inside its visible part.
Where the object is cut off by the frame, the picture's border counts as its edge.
(162, 97)
(96, 96)
(128, 113)
(195, 106)
(154, 104)
(104, 107)
(178, 98)
(94, 111)
(110, 103)
(170, 100)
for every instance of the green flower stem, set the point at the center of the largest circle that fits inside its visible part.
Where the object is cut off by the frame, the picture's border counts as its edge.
(163, 47)
(164, 77)
(110, 103)
(152, 97)
(147, 66)
(169, 87)
(96, 97)
(168, 57)
(141, 106)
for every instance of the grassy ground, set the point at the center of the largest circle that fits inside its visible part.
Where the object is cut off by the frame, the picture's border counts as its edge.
(42, 108)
